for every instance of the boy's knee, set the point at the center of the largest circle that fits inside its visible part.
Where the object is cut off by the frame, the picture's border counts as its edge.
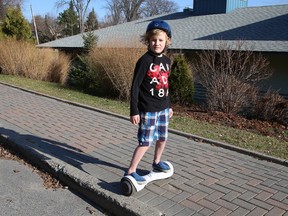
(161, 142)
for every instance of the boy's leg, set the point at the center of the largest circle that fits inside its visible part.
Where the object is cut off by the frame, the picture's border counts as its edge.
(158, 164)
(145, 137)
(159, 148)
(137, 156)
(162, 134)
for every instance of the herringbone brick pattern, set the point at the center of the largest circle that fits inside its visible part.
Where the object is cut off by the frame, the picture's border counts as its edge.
(208, 180)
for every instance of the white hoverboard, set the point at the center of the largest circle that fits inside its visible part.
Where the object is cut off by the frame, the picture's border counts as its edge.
(129, 185)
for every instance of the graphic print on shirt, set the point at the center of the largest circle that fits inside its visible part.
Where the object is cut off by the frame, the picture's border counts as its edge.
(159, 79)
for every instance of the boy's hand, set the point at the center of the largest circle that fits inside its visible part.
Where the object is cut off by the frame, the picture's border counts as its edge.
(170, 113)
(135, 119)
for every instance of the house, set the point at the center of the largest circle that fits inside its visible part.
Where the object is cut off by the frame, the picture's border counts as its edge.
(265, 28)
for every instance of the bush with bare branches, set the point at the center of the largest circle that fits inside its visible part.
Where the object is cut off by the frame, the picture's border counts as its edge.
(271, 107)
(229, 73)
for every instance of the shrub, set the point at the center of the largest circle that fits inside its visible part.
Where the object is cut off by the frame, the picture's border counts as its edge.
(15, 25)
(229, 74)
(271, 107)
(181, 87)
(90, 40)
(78, 74)
(24, 59)
(58, 69)
(114, 67)
(88, 76)
(2, 36)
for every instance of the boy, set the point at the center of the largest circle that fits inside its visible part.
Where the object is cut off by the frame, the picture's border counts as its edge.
(150, 103)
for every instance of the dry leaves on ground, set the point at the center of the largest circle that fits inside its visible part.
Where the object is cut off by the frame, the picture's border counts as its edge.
(48, 180)
(235, 121)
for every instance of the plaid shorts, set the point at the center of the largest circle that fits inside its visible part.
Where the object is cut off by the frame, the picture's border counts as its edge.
(153, 126)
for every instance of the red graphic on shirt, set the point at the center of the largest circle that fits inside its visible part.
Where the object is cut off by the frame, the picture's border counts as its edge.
(158, 76)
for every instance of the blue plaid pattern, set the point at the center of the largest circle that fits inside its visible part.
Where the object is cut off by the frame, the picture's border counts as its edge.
(153, 126)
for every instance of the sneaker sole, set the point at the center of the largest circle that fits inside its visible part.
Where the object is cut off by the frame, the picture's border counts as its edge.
(159, 170)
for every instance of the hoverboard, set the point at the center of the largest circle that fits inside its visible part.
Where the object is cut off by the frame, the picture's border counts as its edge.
(129, 185)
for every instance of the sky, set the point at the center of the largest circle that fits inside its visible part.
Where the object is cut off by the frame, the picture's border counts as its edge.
(41, 8)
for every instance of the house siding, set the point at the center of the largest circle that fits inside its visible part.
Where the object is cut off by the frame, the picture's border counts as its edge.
(279, 79)
(233, 4)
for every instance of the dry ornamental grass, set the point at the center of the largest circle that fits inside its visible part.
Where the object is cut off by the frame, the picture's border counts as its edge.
(25, 59)
(118, 65)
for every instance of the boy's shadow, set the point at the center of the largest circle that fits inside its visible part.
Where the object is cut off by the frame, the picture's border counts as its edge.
(63, 152)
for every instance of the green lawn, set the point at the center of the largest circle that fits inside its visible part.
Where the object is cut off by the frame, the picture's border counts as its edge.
(248, 140)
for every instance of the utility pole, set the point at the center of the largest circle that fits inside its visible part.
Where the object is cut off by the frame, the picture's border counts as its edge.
(36, 32)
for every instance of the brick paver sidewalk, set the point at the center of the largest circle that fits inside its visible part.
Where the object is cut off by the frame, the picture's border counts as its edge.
(208, 180)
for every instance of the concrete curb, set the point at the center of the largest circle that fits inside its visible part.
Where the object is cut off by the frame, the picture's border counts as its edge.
(187, 135)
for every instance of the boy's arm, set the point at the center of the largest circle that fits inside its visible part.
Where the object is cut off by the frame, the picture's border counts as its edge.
(139, 75)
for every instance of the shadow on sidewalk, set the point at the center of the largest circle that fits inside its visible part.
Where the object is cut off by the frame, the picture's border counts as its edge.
(61, 151)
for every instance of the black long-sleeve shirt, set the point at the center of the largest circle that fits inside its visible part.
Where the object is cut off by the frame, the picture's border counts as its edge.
(149, 90)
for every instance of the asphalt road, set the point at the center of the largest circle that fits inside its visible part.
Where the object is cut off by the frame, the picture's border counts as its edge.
(22, 193)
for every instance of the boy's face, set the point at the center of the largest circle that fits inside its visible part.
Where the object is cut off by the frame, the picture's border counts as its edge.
(157, 42)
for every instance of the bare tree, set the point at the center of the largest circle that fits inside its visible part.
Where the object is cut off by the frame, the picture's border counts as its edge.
(81, 7)
(230, 72)
(2, 10)
(4, 4)
(48, 28)
(115, 15)
(131, 9)
(156, 7)
(11, 2)
(128, 10)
